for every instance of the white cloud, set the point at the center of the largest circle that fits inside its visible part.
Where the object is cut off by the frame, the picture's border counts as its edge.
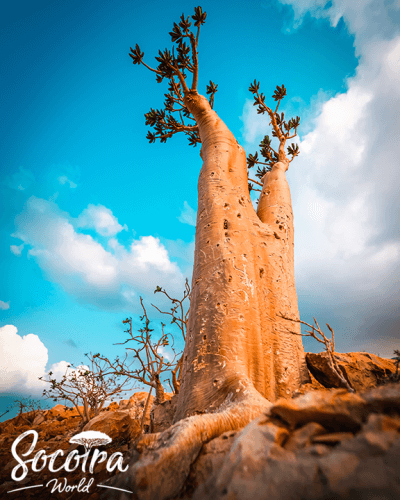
(349, 165)
(16, 250)
(4, 305)
(23, 360)
(188, 215)
(162, 351)
(345, 182)
(368, 20)
(58, 370)
(149, 251)
(107, 277)
(101, 219)
(254, 125)
(63, 179)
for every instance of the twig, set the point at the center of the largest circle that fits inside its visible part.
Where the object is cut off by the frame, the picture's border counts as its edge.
(329, 346)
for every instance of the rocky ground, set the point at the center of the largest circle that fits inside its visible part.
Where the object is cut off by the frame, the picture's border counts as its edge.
(55, 428)
(324, 443)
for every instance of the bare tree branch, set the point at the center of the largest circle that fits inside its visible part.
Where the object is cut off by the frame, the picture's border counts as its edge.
(90, 386)
(328, 343)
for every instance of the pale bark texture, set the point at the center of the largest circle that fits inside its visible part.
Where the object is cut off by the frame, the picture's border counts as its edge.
(243, 276)
(239, 356)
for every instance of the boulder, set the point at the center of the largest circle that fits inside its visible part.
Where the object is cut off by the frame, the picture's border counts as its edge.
(302, 437)
(124, 404)
(139, 397)
(361, 370)
(39, 419)
(162, 415)
(137, 403)
(53, 429)
(385, 398)
(256, 466)
(337, 410)
(333, 437)
(313, 385)
(61, 412)
(298, 458)
(112, 406)
(118, 425)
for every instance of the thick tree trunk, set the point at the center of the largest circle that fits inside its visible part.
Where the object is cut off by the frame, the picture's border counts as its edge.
(243, 276)
(238, 356)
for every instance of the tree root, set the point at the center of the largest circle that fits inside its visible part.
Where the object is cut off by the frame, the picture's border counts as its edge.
(160, 465)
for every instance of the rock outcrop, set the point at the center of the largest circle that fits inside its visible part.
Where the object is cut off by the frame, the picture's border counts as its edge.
(55, 427)
(325, 444)
(162, 415)
(118, 425)
(361, 369)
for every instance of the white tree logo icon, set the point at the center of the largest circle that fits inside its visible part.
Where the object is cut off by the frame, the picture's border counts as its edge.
(88, 439)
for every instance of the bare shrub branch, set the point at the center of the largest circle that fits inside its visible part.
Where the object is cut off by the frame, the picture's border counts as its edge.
(317, 334)
(90, 387)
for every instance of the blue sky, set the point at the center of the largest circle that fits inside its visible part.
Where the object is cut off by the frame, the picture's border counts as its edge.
(93, 216)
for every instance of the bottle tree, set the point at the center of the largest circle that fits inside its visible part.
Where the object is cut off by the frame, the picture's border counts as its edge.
(239, 356)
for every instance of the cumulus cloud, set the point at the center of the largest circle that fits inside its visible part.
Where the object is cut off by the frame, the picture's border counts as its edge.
(183, 253)
(188, 215)
(16, 249)
(101, 219)
(110, 277)
(345, 183)
(4, 305)
(63, 179)
(58, 370)
(23, 360)
(162, 351)
(368, 21)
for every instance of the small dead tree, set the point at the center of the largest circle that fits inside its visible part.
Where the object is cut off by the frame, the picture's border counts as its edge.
(85, 386)
(148, 355)
(180, 318)
(28, 409)
(317, 334)
(150, 362)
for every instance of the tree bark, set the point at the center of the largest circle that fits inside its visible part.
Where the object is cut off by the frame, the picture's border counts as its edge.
(243, 276)
(160, 395)
(238, 356)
